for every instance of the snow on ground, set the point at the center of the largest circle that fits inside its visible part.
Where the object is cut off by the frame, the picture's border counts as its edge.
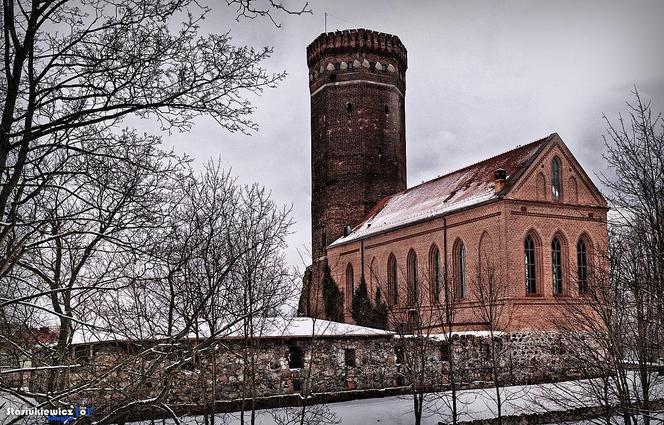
(398, 410)
(657, 418)
(8, 401)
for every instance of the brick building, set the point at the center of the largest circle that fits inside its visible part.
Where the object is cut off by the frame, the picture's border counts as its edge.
(529, 220)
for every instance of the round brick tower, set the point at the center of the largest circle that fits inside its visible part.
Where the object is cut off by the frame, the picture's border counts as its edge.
(357, 81)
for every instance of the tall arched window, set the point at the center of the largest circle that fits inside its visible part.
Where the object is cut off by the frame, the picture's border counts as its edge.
(557, 263)
(555, 179)
(392, 282)
(434, 270)
(531, 266)
(413, 290)
(460, 270)
(582, 266)
(350, 285)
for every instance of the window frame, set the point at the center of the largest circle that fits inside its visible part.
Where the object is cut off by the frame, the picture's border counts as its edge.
(295, 356)
(412, 279)
(556, 179)
(583, 287)
(392, 280)
(530, 269)
(350, 361)
(557, 266)
(460, 263)
(434, 270)
(350, 285)
(445, 351)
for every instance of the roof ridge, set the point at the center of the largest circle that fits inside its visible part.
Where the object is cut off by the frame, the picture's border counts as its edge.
(474, 183)
(477, 163)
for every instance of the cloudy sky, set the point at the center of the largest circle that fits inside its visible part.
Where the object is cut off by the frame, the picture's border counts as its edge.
(483, 77)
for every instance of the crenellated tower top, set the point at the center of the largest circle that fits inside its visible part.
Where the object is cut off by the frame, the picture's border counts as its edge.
(340, 55)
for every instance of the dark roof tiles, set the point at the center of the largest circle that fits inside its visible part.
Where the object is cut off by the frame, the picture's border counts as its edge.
(459, 189)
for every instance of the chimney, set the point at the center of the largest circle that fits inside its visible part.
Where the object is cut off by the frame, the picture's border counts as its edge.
(500, 176)
(347, 230)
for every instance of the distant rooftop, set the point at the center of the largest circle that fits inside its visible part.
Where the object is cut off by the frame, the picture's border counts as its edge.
(457, 190)
(269, 327)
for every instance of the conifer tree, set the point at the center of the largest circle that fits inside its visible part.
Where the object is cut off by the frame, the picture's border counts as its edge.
(364, 312)
(379, 311)
(332, 297)
(361, 308)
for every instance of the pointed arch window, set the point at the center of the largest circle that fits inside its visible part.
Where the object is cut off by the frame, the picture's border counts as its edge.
(557, 263)
(413, 290)
(392, 285)
(531, 266)
(582, 266)
(434, 269)
(373, 276)
(460, 270)
(350, 285)
(555, 179)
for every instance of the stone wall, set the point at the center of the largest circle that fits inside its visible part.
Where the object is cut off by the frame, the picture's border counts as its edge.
(335, 365)
(523, 358)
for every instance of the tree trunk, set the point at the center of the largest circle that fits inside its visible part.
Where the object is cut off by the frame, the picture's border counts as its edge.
(417, 405)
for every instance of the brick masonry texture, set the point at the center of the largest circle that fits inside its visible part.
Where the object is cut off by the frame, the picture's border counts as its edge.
(358, 155)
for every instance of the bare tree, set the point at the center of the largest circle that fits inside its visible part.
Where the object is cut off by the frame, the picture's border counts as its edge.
(593, 329)
(615, 326)
(265, 282)
(259, 281)
(635, 153)
(72, 70)
(95, 217)
(83, 202)
(229, 241)
(410, 314)
(635, 156)
(490, 308)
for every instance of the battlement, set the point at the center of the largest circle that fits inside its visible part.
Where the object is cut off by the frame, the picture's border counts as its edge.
(357, 40)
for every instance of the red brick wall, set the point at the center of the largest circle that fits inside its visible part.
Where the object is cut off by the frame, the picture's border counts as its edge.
(502, 226)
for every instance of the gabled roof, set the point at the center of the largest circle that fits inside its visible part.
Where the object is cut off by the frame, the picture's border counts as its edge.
(457, 190)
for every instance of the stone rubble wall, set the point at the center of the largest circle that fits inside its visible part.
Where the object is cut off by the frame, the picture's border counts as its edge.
(523, 358)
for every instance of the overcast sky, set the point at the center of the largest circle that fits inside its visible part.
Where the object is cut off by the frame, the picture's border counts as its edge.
(483, 77)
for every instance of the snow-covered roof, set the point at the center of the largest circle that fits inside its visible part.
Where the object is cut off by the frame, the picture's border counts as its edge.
(460, 189)
(277, 327)
(264, 327)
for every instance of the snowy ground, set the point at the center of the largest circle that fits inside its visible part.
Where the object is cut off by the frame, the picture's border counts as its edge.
(657, 419)
(398, 410)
